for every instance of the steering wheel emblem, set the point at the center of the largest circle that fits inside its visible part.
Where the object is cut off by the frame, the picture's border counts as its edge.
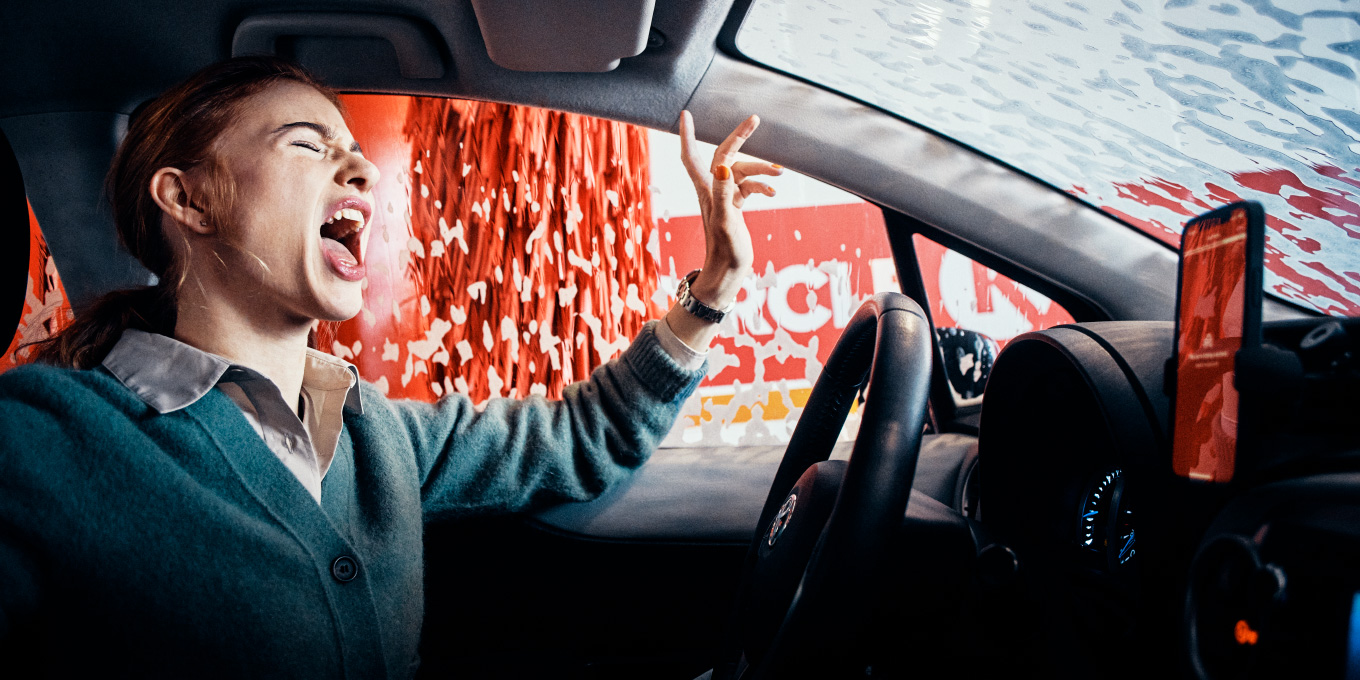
(781, 519)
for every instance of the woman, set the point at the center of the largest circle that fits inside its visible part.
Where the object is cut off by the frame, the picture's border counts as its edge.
(204, 494)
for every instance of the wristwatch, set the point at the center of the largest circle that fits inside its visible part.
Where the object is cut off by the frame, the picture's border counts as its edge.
(694, 306)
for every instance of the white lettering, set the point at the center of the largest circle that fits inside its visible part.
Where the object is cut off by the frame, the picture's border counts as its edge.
(778, 301)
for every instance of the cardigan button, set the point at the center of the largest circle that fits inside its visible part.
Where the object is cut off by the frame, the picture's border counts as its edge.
(344, 569)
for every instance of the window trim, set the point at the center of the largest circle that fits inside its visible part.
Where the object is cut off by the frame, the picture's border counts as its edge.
(946, 414)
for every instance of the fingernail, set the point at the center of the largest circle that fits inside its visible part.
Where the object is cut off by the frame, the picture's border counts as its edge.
(776, 166)
(770, 193)
(723, 172)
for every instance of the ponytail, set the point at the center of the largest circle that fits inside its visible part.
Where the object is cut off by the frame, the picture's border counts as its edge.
(89, 338)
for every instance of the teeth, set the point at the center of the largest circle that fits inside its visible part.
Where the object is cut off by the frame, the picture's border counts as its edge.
(353, 215)
(351, 221)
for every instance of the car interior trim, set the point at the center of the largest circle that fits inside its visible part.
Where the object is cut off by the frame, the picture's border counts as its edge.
(684, 495)
(63, 157)
(418, 54)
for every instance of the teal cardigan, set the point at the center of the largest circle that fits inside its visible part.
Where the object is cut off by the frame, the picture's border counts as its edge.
(177, 545)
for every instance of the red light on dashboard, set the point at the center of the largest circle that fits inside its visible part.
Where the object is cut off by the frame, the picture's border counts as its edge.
(1244, 634)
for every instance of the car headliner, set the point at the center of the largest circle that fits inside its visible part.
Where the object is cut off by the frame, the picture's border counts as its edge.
(78, 67)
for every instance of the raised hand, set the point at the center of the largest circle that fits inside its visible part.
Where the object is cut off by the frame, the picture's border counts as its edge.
(722, 186)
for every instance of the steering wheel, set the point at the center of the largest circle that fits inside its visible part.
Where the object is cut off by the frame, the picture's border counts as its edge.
(811, 571)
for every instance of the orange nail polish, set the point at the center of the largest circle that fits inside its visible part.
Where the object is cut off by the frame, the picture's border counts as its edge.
(776, 166)
(723, 172)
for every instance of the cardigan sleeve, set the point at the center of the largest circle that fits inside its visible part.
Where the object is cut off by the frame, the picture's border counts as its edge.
(514, 455)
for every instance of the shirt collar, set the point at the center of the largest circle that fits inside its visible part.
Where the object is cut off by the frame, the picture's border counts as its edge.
(326, 372)
(169, 375)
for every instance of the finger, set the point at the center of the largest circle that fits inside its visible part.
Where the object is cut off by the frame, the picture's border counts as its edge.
(689, 153)
(744, 169)
(724, 188)
(751, 186)
(727, 151)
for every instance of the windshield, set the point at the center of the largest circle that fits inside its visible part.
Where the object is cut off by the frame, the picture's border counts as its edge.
(1152, 112)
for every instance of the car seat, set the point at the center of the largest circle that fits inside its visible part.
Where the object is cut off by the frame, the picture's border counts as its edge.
(14, 241)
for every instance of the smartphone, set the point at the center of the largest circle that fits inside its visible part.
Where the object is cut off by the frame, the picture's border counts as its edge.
(1218, 312)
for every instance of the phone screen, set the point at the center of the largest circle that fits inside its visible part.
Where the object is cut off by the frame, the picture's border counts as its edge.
(1213, 298)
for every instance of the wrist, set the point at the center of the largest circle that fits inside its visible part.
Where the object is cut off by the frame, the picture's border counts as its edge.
(689, 301)
(718, 287)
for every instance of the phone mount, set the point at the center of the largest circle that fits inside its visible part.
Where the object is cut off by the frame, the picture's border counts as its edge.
(1300, 397)
(1254, 401)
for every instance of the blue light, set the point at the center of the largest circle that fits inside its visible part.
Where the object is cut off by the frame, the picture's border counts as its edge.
(1127, 546)
(1353, 643)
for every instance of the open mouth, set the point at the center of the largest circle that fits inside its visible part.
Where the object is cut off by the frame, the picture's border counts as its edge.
(344, 228)
(340, 238)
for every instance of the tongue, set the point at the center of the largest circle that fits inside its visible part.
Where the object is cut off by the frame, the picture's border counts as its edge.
(337, 251)
(341, 260)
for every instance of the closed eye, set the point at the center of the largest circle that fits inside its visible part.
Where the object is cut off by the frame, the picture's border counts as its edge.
(308, 145)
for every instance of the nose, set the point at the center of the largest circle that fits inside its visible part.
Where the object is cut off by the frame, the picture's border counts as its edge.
(359, 172)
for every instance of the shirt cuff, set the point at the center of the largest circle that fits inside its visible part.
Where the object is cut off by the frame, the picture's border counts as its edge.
(683, 354)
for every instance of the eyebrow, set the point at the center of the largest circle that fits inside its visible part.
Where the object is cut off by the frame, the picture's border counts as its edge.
(326, 132)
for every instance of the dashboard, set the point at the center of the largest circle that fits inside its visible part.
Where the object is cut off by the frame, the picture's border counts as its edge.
(1074, 418)
(1072, 422)
(1119, 567)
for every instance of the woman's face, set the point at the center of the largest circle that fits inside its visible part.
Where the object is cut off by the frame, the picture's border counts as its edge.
(303, 202)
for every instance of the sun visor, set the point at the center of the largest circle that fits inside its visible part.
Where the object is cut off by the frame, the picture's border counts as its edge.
(550, 35)
(328, 41)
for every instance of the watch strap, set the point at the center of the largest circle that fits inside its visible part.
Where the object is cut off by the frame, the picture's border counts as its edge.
(695, 306)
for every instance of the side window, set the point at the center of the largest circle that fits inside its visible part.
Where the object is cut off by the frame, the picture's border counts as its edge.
(515, 249)
(511, 251)
(965, 295)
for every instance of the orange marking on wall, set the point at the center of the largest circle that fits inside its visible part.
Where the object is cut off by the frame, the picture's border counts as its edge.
(773, 408)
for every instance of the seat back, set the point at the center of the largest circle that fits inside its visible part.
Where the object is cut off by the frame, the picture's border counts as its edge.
(14, 241)
(33, 301)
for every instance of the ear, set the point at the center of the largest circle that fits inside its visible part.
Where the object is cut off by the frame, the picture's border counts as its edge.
(169, 188)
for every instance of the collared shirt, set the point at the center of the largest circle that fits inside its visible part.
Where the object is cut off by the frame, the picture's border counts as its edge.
(169, 375)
